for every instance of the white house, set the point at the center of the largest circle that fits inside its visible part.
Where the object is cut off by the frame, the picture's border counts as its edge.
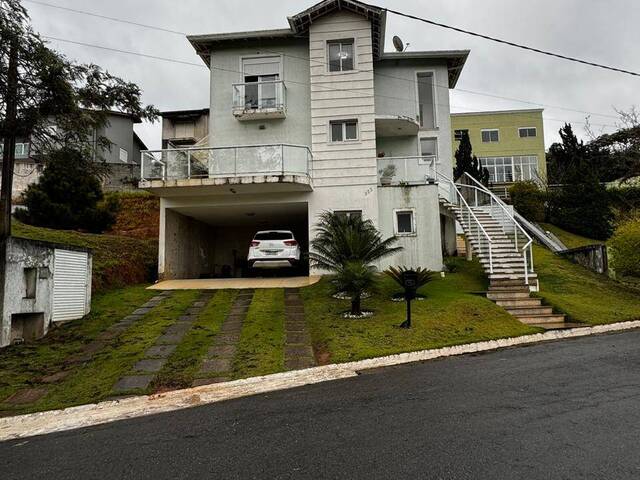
(310, 118)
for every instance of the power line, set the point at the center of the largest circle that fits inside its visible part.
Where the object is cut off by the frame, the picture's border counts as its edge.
(509, 43)
(214, 67)
(177, 32)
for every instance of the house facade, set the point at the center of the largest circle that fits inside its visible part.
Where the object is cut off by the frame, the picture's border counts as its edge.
(509, 143)
(312, 118)
(185, 128)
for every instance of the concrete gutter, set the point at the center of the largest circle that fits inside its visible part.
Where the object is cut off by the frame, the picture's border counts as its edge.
(95, 414)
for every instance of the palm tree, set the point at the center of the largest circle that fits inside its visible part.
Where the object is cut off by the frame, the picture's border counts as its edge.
(348, 246)
(423, 275)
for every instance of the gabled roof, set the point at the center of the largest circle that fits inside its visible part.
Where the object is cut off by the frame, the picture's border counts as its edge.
(299, 27)
(455, 60)
(301, 22)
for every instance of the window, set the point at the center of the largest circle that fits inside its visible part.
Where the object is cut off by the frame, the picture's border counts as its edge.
(404, 222)
(490, 136)
(21, 151)
(527, 132)
(511, 169)
(426, 104)
(349, 213)
(124, 155)
(344, 130)
(457, 134)
(276, 235)
(429, 149)
(261, 75)
(340, 55)
(30, 276)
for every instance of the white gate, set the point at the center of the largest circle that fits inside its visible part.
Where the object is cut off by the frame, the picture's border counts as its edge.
(70, 284)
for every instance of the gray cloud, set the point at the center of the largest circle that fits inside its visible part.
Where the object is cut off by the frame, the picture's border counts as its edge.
(604, 32)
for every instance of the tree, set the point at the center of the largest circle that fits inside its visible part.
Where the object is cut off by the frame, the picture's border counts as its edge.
(467, 162)
(348, 246)
(65, 196)
(52, 101)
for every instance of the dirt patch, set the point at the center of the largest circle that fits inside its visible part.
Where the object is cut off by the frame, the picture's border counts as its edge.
(321, 354)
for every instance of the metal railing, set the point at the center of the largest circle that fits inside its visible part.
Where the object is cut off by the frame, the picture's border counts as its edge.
(449, 190)
(416, 170)
(481, 197)
(259, 96)
(220, 162)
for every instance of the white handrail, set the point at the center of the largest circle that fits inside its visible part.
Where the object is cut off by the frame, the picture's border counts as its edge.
(527, 247)
(470, 214)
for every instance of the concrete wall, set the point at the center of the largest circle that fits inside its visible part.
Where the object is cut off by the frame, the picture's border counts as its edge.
(189, 247)
(25, 173)
(226, 130)
(424, 249)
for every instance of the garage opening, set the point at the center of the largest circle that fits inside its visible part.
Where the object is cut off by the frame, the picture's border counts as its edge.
(213, 242)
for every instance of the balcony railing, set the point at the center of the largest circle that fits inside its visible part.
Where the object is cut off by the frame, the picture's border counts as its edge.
(416, 170)
(224, 162)
(260, 100)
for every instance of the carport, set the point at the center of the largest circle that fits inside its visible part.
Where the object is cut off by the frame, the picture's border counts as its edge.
(213, 241)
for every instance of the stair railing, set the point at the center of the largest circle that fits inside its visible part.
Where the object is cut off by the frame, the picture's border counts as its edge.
(454, 196)
(507, 220)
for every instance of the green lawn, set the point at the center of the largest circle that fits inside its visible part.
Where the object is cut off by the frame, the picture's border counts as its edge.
(261, 346)
(182, 366)
(449, 316)
(571, 240)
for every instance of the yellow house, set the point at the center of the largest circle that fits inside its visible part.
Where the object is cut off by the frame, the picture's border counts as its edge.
(509, 143)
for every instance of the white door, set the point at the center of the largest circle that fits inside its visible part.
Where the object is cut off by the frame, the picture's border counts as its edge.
(70, 282)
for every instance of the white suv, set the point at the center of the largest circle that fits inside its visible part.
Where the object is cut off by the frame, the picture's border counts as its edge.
(273, 249)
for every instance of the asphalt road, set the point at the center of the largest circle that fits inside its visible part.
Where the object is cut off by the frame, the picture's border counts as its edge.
(562, 410)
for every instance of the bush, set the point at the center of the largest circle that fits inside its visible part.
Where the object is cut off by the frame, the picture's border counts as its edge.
(67, 196)
(582, 208)
(528, 200)
(625, 201)
(625, 248)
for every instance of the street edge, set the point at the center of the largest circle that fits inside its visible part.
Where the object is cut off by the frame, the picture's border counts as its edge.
(52, 421)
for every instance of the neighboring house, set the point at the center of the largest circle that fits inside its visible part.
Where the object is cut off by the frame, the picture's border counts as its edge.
(509, 143)
(306, 119)
(123, 158)
(185, 128)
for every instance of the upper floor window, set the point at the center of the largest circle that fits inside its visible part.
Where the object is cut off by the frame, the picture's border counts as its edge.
(426, 103)
(124, 155)
(261, 77)
(527, 132)
(344, 130)
(457, 134)
(340, 54)
(490, 136)
(21, 151)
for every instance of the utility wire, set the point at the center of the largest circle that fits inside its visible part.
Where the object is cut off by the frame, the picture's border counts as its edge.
(509, 43)
(214, 67)
(177, 32)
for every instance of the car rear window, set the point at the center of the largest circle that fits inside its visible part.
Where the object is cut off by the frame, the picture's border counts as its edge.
(273, 236)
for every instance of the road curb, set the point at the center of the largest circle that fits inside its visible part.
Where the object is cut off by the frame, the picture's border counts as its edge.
(110, 411)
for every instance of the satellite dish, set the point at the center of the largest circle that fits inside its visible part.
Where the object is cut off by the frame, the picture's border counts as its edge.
(397, 42)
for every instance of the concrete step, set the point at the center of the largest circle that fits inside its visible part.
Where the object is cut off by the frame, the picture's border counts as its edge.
(518, 302)
(510, 276)
(519, 312)
(557, 325)
(541, 318)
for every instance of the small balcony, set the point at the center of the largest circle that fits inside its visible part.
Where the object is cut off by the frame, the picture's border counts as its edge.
(401, 171)
(241, 169)
(259, 100)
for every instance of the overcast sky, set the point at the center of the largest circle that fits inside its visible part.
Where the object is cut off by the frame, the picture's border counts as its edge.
(600, 31)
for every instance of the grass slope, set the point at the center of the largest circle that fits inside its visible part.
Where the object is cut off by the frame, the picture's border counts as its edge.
(450, 315)
(261, 346)
(23, 366)
(117, 260)
(571, 240)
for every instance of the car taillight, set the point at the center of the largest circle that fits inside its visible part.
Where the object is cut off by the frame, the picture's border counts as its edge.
(290, 243)
(254, 243)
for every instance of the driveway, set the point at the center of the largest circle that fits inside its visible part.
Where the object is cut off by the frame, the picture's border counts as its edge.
(561, 410)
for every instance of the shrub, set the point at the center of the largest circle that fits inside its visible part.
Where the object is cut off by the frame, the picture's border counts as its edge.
(625, 201)
(67, 196)
(625, 248)
(528, 200)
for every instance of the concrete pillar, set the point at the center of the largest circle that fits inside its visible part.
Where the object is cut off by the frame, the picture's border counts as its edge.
(467, 247)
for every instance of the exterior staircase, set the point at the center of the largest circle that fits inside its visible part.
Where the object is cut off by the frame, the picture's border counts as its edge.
(504, 251)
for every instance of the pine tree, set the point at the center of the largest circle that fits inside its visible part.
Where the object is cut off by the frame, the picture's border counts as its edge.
(466, 161)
